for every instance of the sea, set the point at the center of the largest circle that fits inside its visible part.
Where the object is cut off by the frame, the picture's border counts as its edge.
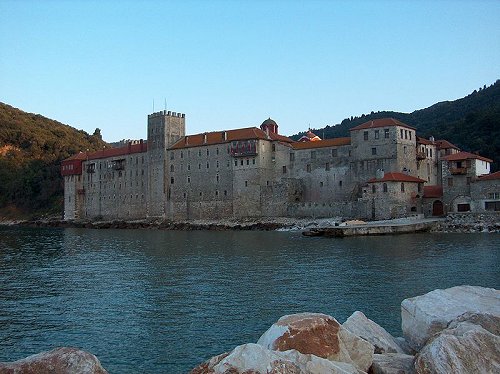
(153, 301)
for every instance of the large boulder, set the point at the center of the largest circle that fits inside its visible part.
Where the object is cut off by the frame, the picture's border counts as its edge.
(63, 360)
(392, 363)
(255, 359)
(465, 348)
(423, 316)
(320, 335)
(365, 328)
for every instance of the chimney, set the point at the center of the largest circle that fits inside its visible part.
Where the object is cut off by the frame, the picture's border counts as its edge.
(431, 138)
(224, 135)
(379, 174)
(205, 138)
(186, 138)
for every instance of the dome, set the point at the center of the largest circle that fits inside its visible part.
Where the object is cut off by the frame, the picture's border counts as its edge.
(269, 122)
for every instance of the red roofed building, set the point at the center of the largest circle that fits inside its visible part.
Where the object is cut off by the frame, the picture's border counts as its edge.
(379, 171)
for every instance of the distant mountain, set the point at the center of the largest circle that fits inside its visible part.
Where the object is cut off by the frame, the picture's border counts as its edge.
(471, 123)
(31, 148)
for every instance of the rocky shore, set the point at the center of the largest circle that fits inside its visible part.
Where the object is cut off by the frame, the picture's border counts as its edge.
(455, 330)
(452, 223)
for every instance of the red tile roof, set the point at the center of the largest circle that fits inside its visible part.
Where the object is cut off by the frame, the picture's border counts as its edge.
(433, 191)
(383, 122)
(217, 137)
(465, 156)
(111, 152)
(444, 144)
(322, 143)
(491, 176)
(425, 141)
(397, 177)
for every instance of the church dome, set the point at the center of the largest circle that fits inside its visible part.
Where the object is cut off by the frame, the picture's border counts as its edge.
(269, 122)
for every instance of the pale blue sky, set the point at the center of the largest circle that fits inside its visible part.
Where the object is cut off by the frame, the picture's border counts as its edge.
(230, 64)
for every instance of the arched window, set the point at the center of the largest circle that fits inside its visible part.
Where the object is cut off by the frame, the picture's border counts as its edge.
(385, 187)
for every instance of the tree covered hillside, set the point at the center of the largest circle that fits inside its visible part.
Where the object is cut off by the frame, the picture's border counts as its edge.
(31, 149)
(471, 123)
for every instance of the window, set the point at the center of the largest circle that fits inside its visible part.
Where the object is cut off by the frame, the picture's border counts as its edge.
(172, 180)
(189, 179)
(340, 183)
(199, 166)
(292, 156)
(284, 170)
(248, 161)
(182, 154)
(374, 188)
(217, 178)
(199, 152)
(225, 192)
(410, 134)
(365, 135)
(321, 184)
(402, 133)
(384, 187)
(374, 151)
(404, 149)
(406, 134)
(494, 195)
(171, 155)
(235, 162)
(208, 152)
(208, 165)
(246, 183)
(189, 167)
(253, 161)
(402, 187)
(308, 168)
(273, 147)
(377, 134)
(217, 151)
(492, 205)
(386, 133)
(184, 195)
(216, 193)
(241, 162)
(327, 166)
(217, 164)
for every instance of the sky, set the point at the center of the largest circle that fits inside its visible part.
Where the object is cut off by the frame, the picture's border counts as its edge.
(231, 64)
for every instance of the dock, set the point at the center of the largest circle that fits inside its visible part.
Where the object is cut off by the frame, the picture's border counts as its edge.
(375, 228)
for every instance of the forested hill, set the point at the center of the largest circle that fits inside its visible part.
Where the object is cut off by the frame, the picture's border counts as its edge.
(471, 123)
(31, 149)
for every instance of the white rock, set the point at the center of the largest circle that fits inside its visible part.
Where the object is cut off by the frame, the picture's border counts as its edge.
(425, 315)
(392, 363)
(467, 348)
(365, 328)
(255, 359)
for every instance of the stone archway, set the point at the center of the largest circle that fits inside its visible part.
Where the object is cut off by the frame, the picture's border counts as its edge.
(437, 208)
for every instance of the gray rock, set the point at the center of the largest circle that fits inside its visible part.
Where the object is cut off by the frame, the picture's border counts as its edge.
(466, 348)
(393, 363)
(425, 315)
(365, 328)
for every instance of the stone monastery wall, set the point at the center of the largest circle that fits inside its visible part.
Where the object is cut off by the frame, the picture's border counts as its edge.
(252, 172)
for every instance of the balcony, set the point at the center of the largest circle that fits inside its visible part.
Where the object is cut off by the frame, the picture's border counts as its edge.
(421, 156)
(458, 171)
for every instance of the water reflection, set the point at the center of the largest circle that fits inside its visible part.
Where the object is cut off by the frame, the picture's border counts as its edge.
(160, 301)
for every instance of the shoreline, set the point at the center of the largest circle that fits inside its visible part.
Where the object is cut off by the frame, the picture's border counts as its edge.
(452, 223)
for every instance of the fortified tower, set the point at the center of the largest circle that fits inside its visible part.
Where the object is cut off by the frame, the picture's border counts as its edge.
(164, 129)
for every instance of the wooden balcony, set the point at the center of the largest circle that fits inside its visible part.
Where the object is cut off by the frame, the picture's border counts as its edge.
(458, 171)
(421, 155)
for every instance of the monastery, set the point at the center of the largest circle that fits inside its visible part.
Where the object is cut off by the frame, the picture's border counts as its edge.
(382, 170)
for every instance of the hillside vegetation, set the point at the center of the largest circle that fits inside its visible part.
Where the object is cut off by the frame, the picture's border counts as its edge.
(471, 123)
(31, 149)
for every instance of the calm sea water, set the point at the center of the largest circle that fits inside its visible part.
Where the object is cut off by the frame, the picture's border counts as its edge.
(161, 301)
